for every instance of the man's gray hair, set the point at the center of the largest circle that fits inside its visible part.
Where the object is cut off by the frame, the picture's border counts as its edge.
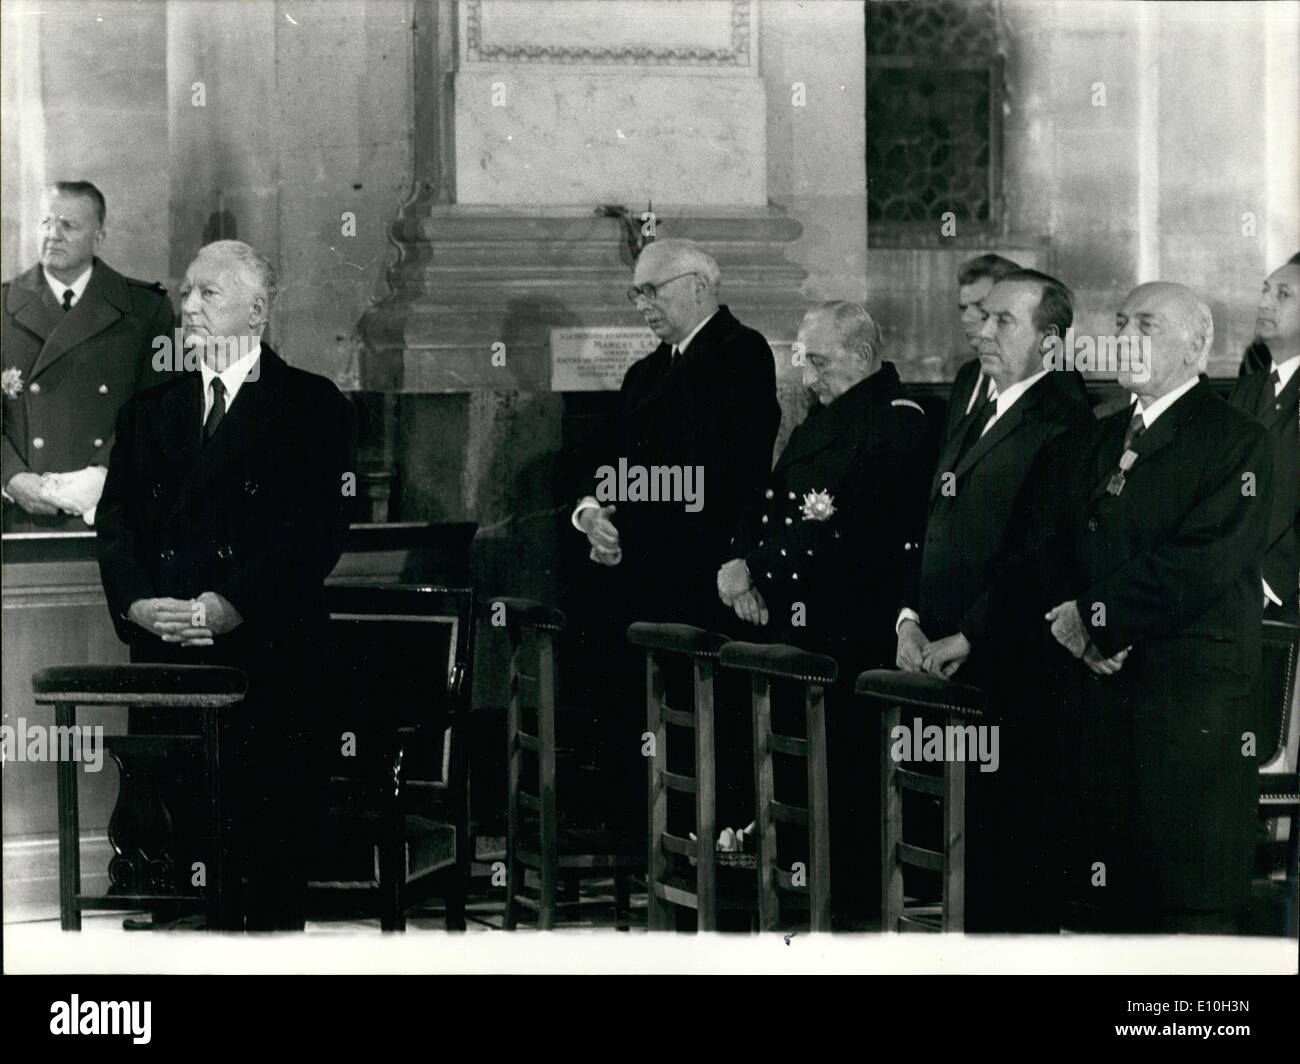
(855, 328)
(688, 257)
(255, 267)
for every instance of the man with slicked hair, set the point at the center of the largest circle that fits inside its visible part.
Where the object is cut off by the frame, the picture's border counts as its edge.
(1146, 572)
(976, 500)
(78, 341)
(222, 515)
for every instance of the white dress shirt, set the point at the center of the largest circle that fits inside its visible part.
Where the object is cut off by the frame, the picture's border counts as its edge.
(78, 286)
(1157, 407)
(232, 377)
(589, 502)
(1285, 370)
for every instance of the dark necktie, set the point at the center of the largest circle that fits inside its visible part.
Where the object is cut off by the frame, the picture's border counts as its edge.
(979, 420)
(218, 410)
(1270, 394)
(1135, 429)
(67, 300)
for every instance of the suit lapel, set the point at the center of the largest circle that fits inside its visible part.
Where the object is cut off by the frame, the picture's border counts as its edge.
(252, 414)
(102, 304)
(1284, 406)
(32, 305)
(1152, 441)
(1000, 430)
(658, 368)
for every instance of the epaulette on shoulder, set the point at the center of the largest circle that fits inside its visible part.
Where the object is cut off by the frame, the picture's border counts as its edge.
(156, 286)
(909, 403)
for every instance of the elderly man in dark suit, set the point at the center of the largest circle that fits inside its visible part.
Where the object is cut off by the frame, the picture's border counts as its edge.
(1148, 574)
(78, 341)
(702, 404)
(1271, 395)
(818, 558)
(222, 515)
(977, 496)
(697, 417)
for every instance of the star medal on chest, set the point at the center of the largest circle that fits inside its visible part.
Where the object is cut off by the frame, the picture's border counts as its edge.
(1126, 461)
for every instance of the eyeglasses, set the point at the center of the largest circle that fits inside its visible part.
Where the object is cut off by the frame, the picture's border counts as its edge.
(651, 291)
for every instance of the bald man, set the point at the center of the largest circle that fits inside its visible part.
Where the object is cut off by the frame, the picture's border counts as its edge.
(1149, 578)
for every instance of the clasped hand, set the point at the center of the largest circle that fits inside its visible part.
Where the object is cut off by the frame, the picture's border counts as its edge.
(943, 657)
(189, 622)
(76, 492)
(601, 535)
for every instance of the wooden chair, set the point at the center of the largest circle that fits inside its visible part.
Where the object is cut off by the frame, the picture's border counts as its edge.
(1279, 765)
(397, 828)
(143, 879)
(943, 702)
(663, 889)
(537, 838)
(813, 673)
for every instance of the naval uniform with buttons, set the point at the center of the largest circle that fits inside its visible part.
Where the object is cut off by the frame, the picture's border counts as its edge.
(867, 455)
(255, 514)
(77, 367)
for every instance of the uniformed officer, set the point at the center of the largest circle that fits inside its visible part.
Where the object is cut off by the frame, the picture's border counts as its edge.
(823, 547)
(78, 341)
(819, 556)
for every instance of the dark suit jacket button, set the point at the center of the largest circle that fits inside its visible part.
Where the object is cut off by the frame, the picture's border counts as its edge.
(167, 554)
(250, 487)
(156, 491)
(225, 550)
(1092, 524)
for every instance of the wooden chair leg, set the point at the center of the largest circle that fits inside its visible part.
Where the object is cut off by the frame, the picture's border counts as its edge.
(514, 884)
(69, 830)
(455, 898)
(546, 910)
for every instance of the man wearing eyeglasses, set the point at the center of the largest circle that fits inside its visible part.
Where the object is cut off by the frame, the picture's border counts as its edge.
(703, 402)
(700, 410)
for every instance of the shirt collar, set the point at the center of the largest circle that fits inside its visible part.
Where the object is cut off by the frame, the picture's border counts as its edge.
(1286, 370)
(58, 287)
(1159, 406)
(1007, 399)
(681, 347)
(233, 376)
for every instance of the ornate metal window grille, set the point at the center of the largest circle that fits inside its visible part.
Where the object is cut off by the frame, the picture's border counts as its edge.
(934, 119)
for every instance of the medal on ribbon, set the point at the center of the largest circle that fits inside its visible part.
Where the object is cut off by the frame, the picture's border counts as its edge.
(1126, 461)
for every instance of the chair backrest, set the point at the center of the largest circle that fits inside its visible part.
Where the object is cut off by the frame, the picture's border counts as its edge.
(531, 628)
(809, 872)
(661, 642)
(947, 704)
(402, 659)
(1280, 721)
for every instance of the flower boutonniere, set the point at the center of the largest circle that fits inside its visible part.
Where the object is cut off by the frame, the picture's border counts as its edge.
(818, 506)
(12, 382)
